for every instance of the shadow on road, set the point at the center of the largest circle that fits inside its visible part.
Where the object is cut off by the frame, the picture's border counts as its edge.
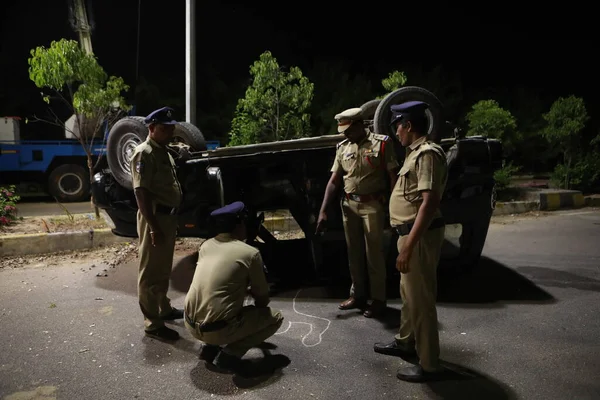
(261, 372)
(489, 282)
(462, 383)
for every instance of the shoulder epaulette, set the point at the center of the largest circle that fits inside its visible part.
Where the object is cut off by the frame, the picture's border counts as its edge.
(383, 138)
(337, 146)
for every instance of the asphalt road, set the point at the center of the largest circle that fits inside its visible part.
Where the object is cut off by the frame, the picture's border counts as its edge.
(523, 326)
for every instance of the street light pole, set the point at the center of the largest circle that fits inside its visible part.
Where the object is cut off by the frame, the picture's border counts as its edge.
(190, 61)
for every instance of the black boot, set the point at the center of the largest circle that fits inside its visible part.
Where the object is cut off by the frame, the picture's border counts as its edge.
(209, 352)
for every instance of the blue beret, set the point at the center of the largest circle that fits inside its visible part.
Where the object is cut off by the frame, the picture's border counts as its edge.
(161, 116)
(229, 210)
(414, 108)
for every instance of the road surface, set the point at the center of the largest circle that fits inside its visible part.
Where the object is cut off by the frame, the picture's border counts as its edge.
(523, 326)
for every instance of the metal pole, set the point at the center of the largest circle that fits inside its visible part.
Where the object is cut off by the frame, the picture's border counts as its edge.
(190, 61)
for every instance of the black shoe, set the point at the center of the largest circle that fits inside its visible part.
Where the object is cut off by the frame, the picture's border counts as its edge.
(174, 314)
(415, 373)
(209, 352)
(227, 363)
(163, 333)
(395, 348)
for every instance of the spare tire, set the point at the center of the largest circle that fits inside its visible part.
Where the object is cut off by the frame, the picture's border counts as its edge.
(125, 135)
(369, 108)
(189, 134)
(435, 114)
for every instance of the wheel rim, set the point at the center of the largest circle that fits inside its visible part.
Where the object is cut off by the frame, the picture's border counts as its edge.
(128, 143)
(70, 184)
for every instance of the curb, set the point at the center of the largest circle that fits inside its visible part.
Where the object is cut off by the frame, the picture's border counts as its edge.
(42, 243)
(550, 201)
(515, 207)
(592, 201)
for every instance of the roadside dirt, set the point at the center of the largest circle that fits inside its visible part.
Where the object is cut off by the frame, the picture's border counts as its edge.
(62, 223)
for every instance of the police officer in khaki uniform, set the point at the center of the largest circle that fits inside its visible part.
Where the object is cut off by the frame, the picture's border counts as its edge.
(158, 195)
(227, 271)
(363, 162)
(416, 217)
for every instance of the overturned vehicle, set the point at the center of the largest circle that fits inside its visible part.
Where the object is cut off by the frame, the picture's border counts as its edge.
(292, 175)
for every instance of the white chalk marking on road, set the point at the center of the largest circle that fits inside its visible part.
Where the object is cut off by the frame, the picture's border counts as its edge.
(312, 327)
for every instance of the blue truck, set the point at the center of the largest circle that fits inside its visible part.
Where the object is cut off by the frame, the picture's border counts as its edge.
(50, 167)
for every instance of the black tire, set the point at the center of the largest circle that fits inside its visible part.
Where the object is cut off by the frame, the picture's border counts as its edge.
(69, 183)
(123, 137)
(190, 134)
(369, 109)
(435, 113)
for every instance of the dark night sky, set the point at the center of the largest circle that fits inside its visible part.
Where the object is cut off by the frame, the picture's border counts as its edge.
(489, 46)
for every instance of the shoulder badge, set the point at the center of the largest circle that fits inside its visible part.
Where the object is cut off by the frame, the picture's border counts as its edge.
(380, 137)
(341, 143)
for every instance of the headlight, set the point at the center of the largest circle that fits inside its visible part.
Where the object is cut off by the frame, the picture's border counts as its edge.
(97, 177)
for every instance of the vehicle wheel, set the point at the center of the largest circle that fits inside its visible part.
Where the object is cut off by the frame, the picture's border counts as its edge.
(369, 108)
(435, 116)
(190, 134)
(123, 138)
(69, 183)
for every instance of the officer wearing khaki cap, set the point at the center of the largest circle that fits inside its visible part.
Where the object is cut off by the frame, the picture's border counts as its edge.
(364, 161)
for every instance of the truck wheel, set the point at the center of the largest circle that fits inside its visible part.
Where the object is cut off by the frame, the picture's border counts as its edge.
(435, 113)
(369, 108)
(69, 183)
(189, 134)
(123, 138)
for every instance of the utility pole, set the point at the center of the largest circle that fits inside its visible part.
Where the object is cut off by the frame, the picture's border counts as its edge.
(82, 26)
(190, 61)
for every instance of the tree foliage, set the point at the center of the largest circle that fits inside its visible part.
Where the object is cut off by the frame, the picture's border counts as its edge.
(487, 118)
(566, 119)
(77, 80)
(275, 105)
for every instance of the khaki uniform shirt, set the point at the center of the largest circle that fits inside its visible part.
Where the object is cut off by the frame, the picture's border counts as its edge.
(153, 168)
(424, 168)
(225, 269)
(365, 164)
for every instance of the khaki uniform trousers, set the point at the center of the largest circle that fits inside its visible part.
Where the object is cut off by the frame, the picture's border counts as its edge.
(363, 226)
(418, 288)
(155, 270)
(250, 328)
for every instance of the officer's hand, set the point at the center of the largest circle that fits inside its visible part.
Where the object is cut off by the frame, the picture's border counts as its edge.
(321, 222)
(403, 260)
(157, 237)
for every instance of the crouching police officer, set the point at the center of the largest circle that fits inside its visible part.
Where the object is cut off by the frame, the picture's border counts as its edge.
(158, 195)
(366, 163)
(214, 305)
(415, 215)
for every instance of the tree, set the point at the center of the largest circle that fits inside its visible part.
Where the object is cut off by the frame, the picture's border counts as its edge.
(566, 119)
(81, 84)
(275, 104)
(395, 80)
(487, 118)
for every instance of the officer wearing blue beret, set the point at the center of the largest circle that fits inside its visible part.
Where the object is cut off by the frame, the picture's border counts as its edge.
(416, 217)
(214, 305)
(158, 194)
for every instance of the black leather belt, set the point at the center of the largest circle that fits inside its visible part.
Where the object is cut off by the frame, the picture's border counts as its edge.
(166, 210)
(404, 229)
(207, 326)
